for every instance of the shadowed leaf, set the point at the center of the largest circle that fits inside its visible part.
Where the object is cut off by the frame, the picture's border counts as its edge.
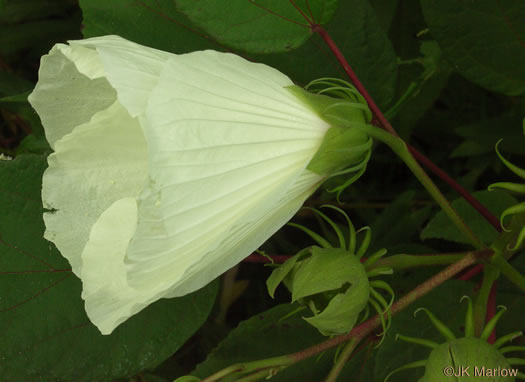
(483, 39)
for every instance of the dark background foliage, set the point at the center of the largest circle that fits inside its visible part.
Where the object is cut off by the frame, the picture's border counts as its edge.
(451, 76)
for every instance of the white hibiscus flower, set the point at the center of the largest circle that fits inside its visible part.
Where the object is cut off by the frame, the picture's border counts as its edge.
(170, 169)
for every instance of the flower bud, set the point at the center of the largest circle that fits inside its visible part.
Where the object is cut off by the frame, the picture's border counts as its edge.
(469, 358)
(332, 282)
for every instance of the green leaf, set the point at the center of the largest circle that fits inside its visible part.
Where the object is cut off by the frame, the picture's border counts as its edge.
(481, 137)
(354, 27)
(395, 227)
(152, 23)
(18, 104)
(431, 56)
(483, 40)
(385, 10)
(35, 144)
(18, 98)
(360, 37)
(269, 26)
(47, 335)
(439, 226)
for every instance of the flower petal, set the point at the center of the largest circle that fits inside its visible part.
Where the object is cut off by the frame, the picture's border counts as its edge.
(110, 300)
(247, 236)
(98, 163)
(132, 69)
(227, 141)
(66, 96)
(105, 289)
(182, 167)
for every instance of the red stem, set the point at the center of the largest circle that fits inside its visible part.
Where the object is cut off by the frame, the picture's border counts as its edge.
(471, 272)
(383, 122)
(456, 186)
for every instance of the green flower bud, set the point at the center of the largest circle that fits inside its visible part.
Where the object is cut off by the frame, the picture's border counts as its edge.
(331, 282)
(467, 358)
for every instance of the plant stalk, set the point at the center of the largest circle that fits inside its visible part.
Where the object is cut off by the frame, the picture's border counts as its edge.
(341, 361)
(400, 148)
(385, 124)
(399, 262)
(272, 365)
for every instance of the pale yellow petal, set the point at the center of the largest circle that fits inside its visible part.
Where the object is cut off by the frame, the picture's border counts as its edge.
(227, 141)
(64, 97)
(132, 69)
(98, 163)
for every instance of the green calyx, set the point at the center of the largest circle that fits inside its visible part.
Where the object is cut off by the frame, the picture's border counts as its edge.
(345, 147)
(330, 282)
(333, 282)
(467, 358)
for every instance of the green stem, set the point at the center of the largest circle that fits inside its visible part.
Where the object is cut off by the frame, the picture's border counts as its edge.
(447, 273)
(400, 148)
(264, 367)
(341, 361)
(383, 122)
(272, 365)
(260, 375)
(490, 275)
(223, 373)
(392, 112)
(509, 271)
(498, 263)
(361, 331)
(399, 262)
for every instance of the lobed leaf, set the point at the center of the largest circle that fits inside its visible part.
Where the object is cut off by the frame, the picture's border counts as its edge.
(268, 26)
